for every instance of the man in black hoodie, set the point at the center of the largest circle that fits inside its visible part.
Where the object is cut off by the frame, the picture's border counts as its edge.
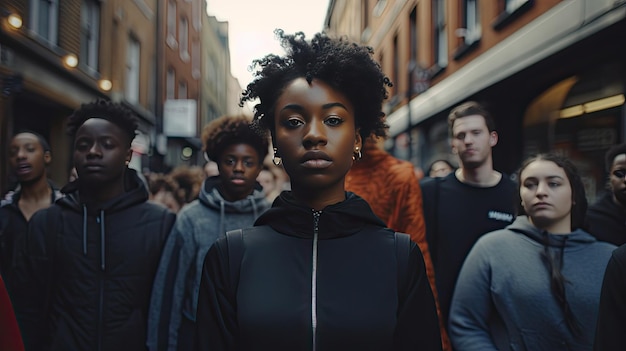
(606, 218)
(90, 259)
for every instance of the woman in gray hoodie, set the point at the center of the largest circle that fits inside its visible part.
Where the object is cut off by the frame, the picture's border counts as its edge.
(231, 200)
(534, 285)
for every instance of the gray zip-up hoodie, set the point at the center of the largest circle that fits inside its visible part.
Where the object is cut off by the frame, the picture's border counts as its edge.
(199, 224)
(503, 300)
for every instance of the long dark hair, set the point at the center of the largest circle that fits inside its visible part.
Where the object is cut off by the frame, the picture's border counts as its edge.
(554, 262)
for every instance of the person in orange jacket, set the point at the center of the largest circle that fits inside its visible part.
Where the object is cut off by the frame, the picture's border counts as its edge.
(396, 198)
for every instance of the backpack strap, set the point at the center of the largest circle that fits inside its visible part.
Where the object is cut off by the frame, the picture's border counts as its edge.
(403, 250)
(235, 255)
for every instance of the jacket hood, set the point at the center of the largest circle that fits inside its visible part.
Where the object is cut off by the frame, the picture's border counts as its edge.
(136, 192)
(289, 217)
(606, 206)
(578, 237)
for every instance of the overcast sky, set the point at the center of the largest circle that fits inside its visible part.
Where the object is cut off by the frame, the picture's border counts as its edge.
(252, 24)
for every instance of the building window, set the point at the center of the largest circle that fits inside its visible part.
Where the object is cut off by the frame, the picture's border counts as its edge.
(90, 33)
(133, 56)
(182, 89)
(197, 15)
(195, 59)
(171, 24)
(44, 16)
(472, 31)
(511, 6)
(440, 39)
(170, 84)
(183, 39)
(510, 10)
(413, 35)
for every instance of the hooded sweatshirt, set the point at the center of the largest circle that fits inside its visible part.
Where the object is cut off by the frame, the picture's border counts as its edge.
(503, 300)
(316, 280)
(88, 270)
(13, 229)
(175, 294)
(606, 220)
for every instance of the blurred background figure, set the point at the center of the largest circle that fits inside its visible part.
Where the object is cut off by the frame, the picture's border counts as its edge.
(272, 185)
(29, 156)
(211, 169)
(189, 180)
(165, 191)
(606, 218)
(440, 167)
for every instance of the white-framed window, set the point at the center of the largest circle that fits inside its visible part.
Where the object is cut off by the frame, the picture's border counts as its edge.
(170, 83)
(171, 24)
(197, 15)
(473, 30)
(182, 89)
(90, 33)
(44, 15)
(133, 56)
(511, 5)
(183, 38)
(441, 40)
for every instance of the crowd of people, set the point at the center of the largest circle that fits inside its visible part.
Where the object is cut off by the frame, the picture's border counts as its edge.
(301, 233)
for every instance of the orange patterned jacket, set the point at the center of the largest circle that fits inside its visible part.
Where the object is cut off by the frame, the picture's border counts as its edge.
(392, 190)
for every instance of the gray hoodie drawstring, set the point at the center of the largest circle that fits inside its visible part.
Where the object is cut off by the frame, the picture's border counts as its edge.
(222, 215)
(102, 265)
(254, 209)
(85, 230)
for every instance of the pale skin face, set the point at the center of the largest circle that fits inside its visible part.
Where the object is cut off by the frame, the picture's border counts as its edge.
(546, 195)
(472, 141)
(618, 184)
(316, 137)
(440, 169)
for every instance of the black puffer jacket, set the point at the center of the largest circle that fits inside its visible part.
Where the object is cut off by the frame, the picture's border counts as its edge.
(91, 290)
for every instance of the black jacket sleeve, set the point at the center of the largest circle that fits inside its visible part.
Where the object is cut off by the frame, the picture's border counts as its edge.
(34, 269)
(216, 319)
(612, 311)
(418, 324)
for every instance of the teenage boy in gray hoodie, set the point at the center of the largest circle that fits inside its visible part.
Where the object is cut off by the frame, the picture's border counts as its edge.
(231, 200)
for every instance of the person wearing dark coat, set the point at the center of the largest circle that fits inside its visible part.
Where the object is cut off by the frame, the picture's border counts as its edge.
(317, 271)
(610, 334)
(606, 218)
(90, 259)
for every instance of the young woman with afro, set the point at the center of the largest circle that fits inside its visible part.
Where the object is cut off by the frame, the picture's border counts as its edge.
(318, 271)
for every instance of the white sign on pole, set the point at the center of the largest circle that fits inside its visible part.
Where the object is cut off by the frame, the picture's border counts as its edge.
(179, 118)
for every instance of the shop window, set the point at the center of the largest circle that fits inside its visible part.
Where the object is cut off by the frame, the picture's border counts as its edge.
(581, 118)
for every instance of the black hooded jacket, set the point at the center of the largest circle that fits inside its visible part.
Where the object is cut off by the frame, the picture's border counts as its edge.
(316, 280)
(606, 220)
(88, 272)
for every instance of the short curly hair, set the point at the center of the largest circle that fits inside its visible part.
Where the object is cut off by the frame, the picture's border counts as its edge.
(222, 132)
(113, 112)
(611, 154)
(344, 65)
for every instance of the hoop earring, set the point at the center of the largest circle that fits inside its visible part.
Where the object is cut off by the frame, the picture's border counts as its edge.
(276, 160)
(357, 154)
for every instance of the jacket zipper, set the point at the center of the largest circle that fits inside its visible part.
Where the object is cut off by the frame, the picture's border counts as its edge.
(316, 221)
(100, 302)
